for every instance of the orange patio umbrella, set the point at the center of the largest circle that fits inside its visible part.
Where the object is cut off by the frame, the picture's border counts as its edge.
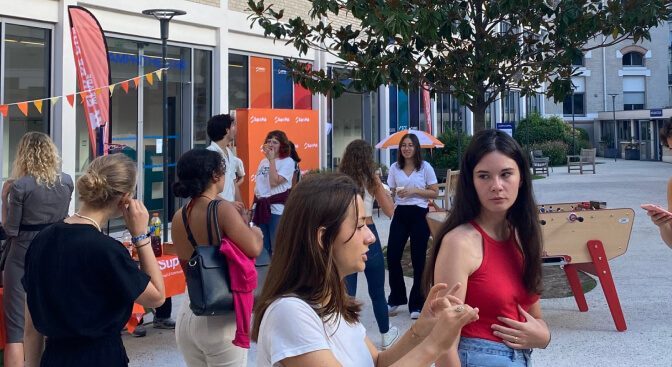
(426, 140)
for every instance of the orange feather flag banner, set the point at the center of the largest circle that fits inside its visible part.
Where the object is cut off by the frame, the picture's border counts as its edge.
(23, 106)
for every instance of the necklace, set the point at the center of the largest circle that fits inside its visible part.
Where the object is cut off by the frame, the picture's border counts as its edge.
(207, 197)
(90, 220)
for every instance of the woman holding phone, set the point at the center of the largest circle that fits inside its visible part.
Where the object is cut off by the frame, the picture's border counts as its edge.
(659, 216)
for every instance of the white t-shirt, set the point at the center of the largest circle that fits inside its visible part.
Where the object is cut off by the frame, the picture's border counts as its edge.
(419, 179)
(240, 169)
(262, 187)
(290, 328)
(229, 193)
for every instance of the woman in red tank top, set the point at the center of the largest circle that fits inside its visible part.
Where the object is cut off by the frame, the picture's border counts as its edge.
(491, 242)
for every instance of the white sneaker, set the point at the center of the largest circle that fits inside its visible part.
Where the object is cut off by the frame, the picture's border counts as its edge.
(392, 310)
(415, 315)
(389, 337)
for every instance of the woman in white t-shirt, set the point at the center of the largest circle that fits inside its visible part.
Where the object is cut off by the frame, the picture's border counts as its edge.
(305, 318)
(414, 183)
(272, 184)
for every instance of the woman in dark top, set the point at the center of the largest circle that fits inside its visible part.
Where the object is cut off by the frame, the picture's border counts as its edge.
(81, 284)
(36, 195)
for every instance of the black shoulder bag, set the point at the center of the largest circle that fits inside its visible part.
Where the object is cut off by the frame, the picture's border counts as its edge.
(207, 272)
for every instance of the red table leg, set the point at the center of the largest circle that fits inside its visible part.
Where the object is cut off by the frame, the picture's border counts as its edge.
(575, 284)
(601, 263)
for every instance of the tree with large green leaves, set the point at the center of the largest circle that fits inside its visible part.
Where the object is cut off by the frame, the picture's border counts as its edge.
(474, 49)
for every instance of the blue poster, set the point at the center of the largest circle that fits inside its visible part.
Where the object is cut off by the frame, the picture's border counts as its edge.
(283, 87)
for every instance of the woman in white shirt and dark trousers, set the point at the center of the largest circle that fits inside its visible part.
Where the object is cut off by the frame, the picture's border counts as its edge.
(414, 183)
(304, 316)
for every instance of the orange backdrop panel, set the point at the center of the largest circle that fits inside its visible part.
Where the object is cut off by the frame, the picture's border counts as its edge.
(301, 127)
(260, 82)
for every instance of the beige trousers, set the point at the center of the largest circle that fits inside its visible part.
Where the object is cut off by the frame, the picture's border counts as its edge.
(205, 341)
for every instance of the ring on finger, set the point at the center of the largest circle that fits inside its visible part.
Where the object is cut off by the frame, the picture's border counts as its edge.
(515, 339)
(459, 308)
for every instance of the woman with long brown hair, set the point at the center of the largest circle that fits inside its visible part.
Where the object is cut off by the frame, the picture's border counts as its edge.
(37, 195)
(414, 183)
(491, 243)
(304, 317)
(357, 162)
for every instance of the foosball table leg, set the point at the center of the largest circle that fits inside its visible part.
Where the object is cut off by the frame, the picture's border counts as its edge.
(575, 284)
(603, 270)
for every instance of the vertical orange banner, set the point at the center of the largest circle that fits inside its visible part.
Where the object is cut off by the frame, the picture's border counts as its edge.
(260, 82)
(301, 127)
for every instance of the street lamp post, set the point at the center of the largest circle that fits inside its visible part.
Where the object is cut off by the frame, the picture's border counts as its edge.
(573, 126)
(613, 111)
(164, 16)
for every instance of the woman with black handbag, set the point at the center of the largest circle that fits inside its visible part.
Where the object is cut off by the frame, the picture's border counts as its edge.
(206, 340)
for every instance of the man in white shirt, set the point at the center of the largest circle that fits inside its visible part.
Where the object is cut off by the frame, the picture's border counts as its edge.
(222, 130)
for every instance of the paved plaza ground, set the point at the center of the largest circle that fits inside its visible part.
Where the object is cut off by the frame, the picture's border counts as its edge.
(643, 278)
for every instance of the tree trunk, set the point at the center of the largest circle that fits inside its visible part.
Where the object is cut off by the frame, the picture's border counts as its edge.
(479, 119)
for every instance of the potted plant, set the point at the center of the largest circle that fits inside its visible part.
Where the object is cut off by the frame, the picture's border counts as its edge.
(632, 151)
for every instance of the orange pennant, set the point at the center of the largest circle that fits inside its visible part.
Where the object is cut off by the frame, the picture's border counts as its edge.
(150, 78)
(23, 106)
(136, 81)
(124, 86)
(71, 99)
(82, 97)
(38, 105)
(4, 109)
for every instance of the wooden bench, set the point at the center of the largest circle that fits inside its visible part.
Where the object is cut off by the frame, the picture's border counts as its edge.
(577, 162)
(539, 163)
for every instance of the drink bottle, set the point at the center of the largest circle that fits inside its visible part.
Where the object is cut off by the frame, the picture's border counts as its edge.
(155, 234)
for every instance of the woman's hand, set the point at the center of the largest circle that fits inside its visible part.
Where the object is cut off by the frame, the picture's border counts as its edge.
(450, 321)
(532, 333)
(659, 219)
(135, 215)
(434, 305)
(269, 152)
(404, 192)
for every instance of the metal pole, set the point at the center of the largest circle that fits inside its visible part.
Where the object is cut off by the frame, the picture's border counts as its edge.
(613, 111)
(573, 127)
(166, 151)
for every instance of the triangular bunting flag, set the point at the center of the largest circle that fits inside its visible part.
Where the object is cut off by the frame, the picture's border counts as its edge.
(82, 97)
(124, 86)
(71, 99)
(150, 78)
(4, 109)
(159, 74)
(99, 91)
(112, 89)
(23, 106)
(136, 81)
(38, 105)
(54, 100)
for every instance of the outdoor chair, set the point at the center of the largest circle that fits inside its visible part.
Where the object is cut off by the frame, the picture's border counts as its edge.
(577, 162)
(539, 163)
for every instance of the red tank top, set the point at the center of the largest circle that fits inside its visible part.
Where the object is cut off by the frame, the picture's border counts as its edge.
(496, 287)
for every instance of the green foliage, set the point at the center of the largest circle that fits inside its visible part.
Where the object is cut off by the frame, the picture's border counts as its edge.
(555, 150)
(447, 157)
(472, 49)
(535, 129)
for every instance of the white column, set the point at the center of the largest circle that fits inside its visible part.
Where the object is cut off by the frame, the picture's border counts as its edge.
(320, 104)
(384, 93)
(64, 122)
(221, 72)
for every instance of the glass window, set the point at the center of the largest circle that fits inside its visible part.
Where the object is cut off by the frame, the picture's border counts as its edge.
(535, 101)
(633, 100)
(202, 95)
(238, 81)
(511, 104)
(26, 77)
(283, 86)
(577, 60)
(633, 59)
(578, 105)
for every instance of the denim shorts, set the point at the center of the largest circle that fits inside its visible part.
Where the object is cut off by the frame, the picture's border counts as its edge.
(476, 352)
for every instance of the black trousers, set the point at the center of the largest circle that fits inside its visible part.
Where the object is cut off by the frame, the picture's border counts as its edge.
(164, 311)
(408, 221)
